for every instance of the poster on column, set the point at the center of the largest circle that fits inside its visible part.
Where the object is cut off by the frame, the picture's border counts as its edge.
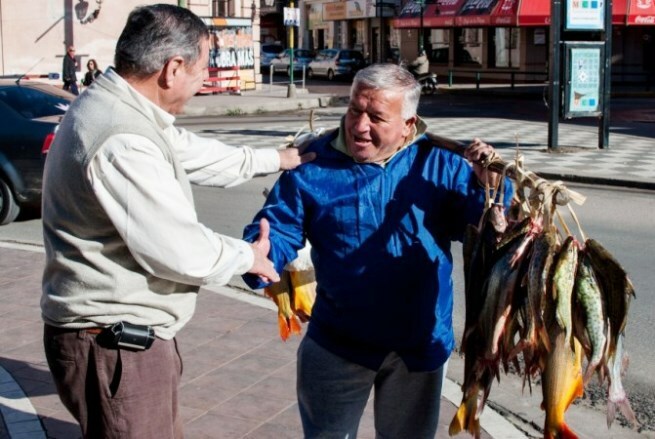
(292, 17)
(583, 91)
(585, 14)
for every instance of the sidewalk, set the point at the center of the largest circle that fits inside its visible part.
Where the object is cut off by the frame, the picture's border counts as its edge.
(238, 379)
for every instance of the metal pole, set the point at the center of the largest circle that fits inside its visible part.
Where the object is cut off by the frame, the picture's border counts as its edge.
(554, 74)
(604, 123)
(291, 90)
(420, 35)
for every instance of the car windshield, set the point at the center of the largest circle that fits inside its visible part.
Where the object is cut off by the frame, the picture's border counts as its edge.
(33, 103)
(273, 48)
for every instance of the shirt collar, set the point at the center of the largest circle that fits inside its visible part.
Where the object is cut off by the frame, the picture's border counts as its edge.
(163, 118)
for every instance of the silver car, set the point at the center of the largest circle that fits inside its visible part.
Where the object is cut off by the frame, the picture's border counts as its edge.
(268, 53)
(302, 57)
(336, 62)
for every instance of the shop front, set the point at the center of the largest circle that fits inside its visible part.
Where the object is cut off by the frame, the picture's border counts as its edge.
(503, 40)
(362, 25)
(232, 48)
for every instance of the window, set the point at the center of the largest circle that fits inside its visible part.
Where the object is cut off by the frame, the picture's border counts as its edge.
(506, 52)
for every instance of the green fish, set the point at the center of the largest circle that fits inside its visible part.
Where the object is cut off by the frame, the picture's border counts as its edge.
(563, 283)
(589, 297)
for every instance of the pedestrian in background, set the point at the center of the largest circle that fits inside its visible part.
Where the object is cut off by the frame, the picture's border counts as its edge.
(380, 206)
(125, 252)
(92, 72)
(69, 71)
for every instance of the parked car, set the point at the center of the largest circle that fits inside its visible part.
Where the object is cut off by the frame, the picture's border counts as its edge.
(336, 62)
(301, 59)
(268, 53)
(30, 113)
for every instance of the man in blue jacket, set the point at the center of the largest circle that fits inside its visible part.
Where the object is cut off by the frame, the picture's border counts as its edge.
(380, 206)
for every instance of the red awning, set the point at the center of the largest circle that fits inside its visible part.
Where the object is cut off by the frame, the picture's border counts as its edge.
(442, 13)
(533, 13)
(641, 12)
(507, 13)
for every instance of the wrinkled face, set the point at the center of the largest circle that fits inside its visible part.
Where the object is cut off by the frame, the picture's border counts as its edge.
(189, 79)
(374, 126)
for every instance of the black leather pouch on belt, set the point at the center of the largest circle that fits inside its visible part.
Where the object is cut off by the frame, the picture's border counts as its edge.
(125, 335)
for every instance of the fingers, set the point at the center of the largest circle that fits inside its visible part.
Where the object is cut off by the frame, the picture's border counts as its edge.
(291, 158)
(307, 157)
(478, 151)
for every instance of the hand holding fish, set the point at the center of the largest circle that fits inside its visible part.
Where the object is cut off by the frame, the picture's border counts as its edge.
(478, 153)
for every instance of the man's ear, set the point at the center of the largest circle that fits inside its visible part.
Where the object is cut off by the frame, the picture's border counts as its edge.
(409, 124)
(172, 69)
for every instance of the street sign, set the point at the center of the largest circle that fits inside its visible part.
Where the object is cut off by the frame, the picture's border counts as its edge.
(292, 17)
(585, 15)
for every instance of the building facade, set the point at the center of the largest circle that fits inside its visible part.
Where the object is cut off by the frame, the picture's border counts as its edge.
(34, 35)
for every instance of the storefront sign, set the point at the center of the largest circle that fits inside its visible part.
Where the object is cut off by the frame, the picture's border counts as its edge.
(315, 17)
(585, 14)
(641, 12)
(231, 47)
(334, 11)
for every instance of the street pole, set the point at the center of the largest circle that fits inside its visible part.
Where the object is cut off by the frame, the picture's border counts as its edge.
(604, 125)
(420, 35)
(291, 90)
(554, 74)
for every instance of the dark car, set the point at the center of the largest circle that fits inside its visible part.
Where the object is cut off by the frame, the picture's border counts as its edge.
(281, 63)
(336, 62)
(30, 113)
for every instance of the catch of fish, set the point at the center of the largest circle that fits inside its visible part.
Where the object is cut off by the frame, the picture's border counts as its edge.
(543, 300)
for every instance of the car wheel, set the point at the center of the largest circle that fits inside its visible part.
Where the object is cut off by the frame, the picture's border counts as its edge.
(289, 72)
(9, 209)
(310, 73)
(330, 75)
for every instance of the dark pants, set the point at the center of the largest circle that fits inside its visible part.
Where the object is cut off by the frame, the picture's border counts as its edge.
(116, 393)
(71, 86)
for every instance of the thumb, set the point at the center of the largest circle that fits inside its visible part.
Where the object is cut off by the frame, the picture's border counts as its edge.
(264, 230)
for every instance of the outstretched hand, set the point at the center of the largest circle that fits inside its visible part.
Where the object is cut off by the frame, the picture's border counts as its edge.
(262, 266)
(293, 157)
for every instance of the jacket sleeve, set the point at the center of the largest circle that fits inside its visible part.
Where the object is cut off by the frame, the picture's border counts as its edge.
(468, 196)
(284, 210)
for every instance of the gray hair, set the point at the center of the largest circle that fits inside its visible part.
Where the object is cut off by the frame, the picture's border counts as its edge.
(390, 77)
(153, 35)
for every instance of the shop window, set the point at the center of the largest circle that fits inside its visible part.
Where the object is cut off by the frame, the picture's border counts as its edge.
(439, 44)
(506, 47)
(468, 47)
(221, 8)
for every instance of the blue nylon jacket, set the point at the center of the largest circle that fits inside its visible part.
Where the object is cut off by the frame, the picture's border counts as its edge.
(381, 238)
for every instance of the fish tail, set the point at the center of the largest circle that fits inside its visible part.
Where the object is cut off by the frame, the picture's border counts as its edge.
(288, 326)
(624, 407)
(466, 419)
(562, 431)
(283, 325)
(591, 367)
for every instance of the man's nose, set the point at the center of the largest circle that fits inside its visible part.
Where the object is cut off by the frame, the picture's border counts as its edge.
(362, 123)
